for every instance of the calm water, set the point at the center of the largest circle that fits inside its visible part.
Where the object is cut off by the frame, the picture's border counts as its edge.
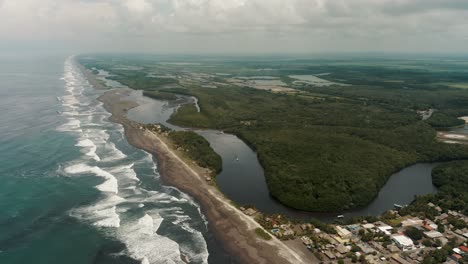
(72, 189)
(243, 180)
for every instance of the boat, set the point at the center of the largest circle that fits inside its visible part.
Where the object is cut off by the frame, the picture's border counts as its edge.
(398, 206)
(340, 216)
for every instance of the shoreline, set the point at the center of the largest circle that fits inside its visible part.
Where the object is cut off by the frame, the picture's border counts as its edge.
(232, 227)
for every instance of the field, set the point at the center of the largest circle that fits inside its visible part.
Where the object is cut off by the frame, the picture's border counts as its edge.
(323, 147)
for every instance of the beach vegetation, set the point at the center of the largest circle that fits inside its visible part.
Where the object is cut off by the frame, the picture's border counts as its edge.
(262, 234)
(198, 149)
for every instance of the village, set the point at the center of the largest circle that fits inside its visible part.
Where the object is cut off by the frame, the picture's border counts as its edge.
(391, 238)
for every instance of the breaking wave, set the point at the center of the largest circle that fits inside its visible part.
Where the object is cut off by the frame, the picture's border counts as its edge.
(157, 224)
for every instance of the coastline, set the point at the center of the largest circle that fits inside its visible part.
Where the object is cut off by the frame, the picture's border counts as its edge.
(232, 227)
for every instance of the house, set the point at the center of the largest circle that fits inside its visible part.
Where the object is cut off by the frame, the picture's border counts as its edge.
(412, 222)
(433, 234)
(353, 228)
(398, 260)
(429, 225)
(306, 227)
(368, 226)
(442, 217)
(453, 213)
(288, 232)
(306, 240)
(386, 229)
(250, 211)
(403, 242)
(464, 249)
(342, 232)
(365, 248)
(329, 255)
(393, 249)
(456, 257)
(372, 259)
(342, 249)
(443, 240)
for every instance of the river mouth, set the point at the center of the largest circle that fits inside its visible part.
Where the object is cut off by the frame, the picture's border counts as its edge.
(242, 179)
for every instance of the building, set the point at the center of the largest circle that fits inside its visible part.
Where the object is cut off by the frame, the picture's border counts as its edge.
(398, 260)
(386, 229)
(403, 242)
(368, 226)
(329, 255)
(433, 234)
(412, 222)
(464, 249)
(429, 225)
(342, 232)
(342, 249)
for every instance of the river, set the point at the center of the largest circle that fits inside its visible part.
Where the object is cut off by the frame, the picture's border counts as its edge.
(243, 181)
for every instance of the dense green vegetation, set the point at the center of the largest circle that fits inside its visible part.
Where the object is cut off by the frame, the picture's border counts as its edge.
(414, 233)
(160, 95)
(452, 181)
(197, 149)
(322, 148)
(441, 120)
(324, 154)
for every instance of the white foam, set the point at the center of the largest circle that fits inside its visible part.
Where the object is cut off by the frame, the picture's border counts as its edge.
(73, 124)
(180, 219)
(139, 234)
(115, 153)
(141, 239)
(103, 213)
(85, 143)
(109, 185)
(126, 171)
(111, 219)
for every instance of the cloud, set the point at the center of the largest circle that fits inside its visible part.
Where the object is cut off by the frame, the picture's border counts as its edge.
(239, 25)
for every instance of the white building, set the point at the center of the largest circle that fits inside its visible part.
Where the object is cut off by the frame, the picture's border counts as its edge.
(433, 234)
(342, 232)
(386, 229)
(403, 242)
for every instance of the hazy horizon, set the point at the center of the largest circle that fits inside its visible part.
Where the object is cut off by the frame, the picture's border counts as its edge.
(234, 26)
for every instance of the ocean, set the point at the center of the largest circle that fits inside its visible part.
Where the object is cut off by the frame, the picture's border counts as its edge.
(72, 190)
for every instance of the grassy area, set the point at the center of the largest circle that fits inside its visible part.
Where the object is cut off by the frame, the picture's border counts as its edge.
(197, 149)
(262, 234)
(160, 95)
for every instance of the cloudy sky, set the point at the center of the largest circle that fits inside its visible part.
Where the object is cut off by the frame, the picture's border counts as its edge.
(235, 26)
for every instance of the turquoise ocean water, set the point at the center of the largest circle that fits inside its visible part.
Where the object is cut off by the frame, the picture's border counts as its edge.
(72, 190)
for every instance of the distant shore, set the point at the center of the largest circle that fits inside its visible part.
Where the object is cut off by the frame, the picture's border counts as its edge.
(232, 227)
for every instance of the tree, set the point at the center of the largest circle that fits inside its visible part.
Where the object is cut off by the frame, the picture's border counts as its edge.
(427, 243)
(355, 248)
(441, 228)
(414, 233)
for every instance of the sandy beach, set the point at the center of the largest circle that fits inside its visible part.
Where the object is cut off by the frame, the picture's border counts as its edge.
(233, 228)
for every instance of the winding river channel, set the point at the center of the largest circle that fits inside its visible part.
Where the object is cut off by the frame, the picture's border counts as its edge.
(243, 181)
